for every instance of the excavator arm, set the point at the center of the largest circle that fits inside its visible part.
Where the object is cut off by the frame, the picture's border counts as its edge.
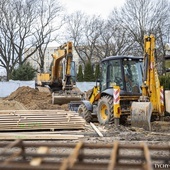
(151, 85)
(151, 101)
(60, 79)
(61, 72)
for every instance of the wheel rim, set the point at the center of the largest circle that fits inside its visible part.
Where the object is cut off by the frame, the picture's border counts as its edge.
(104, 112)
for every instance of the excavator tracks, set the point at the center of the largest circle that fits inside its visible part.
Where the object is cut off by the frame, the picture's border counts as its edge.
(83, 156)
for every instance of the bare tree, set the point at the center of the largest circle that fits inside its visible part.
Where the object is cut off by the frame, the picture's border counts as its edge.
(25, 25)
(94, 38)
(84, 31)
(75, 31)
(8, 57)
(92, 34)
(46, 28)
(114, 39)
(123, 32)
(142, 17)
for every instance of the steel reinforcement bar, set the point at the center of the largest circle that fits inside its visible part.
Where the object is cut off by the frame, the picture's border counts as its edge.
(83, 156)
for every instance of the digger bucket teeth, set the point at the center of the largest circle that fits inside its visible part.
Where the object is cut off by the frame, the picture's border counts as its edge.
(141, 115)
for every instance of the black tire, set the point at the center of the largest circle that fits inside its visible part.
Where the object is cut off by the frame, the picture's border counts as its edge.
(105, 110)
(86, 114)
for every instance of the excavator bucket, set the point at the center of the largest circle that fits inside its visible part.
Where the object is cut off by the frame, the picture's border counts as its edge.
(141, 115)
(65, 97)
(43, 89)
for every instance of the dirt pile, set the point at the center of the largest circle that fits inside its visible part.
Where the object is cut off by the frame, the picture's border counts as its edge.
(32, 99)
(11, 105)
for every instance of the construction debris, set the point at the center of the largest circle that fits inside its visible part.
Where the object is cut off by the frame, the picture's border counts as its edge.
(22, 120)
(19, 155)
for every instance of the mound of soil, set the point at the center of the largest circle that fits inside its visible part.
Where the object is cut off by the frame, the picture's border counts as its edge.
(32, 99)
(11, 105)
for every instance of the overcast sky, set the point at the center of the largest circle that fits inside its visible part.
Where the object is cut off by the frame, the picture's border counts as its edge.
(98, 7)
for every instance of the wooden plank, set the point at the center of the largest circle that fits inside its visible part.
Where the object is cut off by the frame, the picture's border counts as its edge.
(44, 128)
(73, 132)
(13, 136)
(45, 121)
(36, 111)
(39, 124)
(96, 130)
(42, 122)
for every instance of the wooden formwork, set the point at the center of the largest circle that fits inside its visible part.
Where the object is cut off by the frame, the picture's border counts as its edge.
(82, 156)
(22, 120)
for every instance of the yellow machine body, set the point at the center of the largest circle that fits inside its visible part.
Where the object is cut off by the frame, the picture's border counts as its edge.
(60, 79)
(122, 92)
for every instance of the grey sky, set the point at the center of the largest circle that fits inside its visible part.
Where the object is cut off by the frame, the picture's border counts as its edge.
(98, 7)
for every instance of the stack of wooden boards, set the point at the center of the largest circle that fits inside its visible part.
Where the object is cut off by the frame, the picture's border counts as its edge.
(33, 120)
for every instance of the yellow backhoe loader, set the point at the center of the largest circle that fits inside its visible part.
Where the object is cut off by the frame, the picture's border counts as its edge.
(61, 79)
(128, 87)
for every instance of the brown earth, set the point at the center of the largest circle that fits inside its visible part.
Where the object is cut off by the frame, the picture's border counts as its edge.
(11, 105)
(30, 99)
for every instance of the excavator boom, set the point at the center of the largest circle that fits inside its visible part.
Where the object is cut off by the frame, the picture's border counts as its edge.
(60, 80)
(150, 102)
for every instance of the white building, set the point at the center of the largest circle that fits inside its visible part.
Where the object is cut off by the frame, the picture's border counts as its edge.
(34, 59)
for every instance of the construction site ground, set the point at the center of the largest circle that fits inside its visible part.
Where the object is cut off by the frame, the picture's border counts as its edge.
(26, 98)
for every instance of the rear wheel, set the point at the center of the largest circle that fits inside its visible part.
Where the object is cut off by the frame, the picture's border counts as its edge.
(86, 114)
(105, 110)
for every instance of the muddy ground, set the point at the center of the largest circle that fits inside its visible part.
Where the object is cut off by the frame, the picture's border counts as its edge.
(30, 99)
(27, 98)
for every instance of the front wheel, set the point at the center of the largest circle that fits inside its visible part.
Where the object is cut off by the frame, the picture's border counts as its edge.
(85, 113)
(105, 110)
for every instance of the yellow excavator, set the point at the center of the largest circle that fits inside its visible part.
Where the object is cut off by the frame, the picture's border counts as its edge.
(128, 87)
(61, 79)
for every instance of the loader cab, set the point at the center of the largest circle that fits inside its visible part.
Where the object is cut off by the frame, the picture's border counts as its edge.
(123, 71)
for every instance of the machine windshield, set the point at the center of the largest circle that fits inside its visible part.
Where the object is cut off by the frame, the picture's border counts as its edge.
(127, 74)
(133, 75)
(111, 74)
(103, 76)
